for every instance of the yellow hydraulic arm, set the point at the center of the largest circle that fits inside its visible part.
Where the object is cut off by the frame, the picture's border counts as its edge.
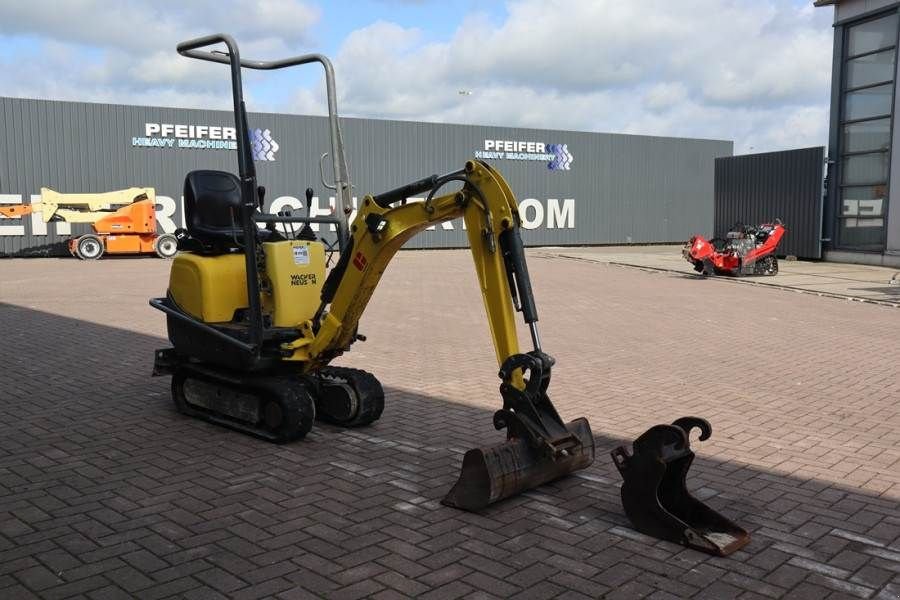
(489, 209)
(77, 208)
(540, 447)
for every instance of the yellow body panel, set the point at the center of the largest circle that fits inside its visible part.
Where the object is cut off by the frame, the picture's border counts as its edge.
(209, 288)
(296, 271)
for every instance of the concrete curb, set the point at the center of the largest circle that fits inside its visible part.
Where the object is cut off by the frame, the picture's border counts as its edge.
(740, 280)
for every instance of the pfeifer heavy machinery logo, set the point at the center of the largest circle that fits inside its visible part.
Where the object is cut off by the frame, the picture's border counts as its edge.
(562, 158)
(205, 137)
(557, 156)
(263, 144)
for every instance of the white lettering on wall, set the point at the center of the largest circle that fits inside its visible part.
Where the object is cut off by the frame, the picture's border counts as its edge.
(165, 210)
(11, 229)
(537, 220)
(39, 227)
(212, 132)
(282, 202)
(561, 217)
(556, 214)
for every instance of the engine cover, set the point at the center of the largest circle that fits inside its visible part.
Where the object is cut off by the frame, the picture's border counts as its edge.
(209, 288)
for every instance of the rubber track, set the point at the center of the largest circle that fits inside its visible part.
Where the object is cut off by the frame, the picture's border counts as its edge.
(294, 394)
(299, 403)
(368, 390)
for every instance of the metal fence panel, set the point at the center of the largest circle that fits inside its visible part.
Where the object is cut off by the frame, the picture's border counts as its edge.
(758, 188)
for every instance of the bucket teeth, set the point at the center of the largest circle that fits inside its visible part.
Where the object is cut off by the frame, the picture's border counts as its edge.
(496, 472)
(655, 496)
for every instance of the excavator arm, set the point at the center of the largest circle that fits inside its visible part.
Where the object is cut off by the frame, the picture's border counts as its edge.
(382, 227)
(540, 447)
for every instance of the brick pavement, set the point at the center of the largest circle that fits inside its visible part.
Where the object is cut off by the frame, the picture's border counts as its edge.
(106, 492)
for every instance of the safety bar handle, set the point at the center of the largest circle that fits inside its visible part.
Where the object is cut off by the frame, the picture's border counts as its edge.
(191, 49)
(188, 47)
(233, 58)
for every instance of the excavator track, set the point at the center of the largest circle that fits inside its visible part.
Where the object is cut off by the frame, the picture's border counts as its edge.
(275, 408)
(347, 397)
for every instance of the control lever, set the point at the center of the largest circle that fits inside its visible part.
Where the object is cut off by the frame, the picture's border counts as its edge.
(260, 195)
(307, 233)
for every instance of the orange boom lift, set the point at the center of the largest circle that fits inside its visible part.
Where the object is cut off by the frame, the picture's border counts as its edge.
(129, 229)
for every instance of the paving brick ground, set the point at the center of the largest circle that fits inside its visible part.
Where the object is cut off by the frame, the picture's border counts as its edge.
(107, 492)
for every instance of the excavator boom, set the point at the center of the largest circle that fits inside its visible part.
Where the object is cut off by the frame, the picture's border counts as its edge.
(540, 447)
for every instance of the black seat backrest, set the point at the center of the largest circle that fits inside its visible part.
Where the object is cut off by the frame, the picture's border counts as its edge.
(212, 208)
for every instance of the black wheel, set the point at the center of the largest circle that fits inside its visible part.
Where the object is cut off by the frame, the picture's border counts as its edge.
(287, 410)
(166, 245)
(89, 247)
(348, 397)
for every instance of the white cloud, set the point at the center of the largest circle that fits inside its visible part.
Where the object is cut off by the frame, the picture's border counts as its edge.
(124, 52)
(749, 71)
(754, 71)
(135, 25)
(664, 95)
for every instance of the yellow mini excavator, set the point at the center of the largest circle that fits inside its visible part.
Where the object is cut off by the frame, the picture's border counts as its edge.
(254, 321)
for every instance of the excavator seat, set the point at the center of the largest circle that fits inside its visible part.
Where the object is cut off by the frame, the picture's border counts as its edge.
(212, 208)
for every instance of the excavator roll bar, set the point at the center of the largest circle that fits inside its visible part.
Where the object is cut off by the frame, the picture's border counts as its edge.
(232, 58)
(251, 195)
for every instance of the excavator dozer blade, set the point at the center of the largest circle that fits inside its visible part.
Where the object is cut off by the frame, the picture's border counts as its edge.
(496, 472)
(655, 496)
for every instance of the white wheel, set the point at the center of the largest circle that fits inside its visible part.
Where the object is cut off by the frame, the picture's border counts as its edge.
(166, 245)
(89, 247)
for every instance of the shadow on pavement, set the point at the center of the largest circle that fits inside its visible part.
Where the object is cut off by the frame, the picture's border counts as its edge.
(105, 489)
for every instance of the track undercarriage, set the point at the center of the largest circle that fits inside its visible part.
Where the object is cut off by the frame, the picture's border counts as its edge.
(277, 407)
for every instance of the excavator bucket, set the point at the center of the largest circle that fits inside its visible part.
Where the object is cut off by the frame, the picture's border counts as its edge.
(539, 446)
(655, 496)
(496, 472)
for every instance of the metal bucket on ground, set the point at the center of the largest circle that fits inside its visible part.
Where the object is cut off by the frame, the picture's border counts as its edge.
(655, 495)
(496, 472)
(539, 446)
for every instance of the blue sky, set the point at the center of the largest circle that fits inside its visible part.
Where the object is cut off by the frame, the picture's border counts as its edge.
(753, 71)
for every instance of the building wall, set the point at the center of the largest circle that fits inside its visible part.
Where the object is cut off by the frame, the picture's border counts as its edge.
(848, 13)
(892, 245)
(850, 9)
(759, 188)
(617, 189)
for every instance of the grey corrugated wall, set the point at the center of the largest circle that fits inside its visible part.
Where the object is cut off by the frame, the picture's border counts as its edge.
(758, 188)
(622, 188)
